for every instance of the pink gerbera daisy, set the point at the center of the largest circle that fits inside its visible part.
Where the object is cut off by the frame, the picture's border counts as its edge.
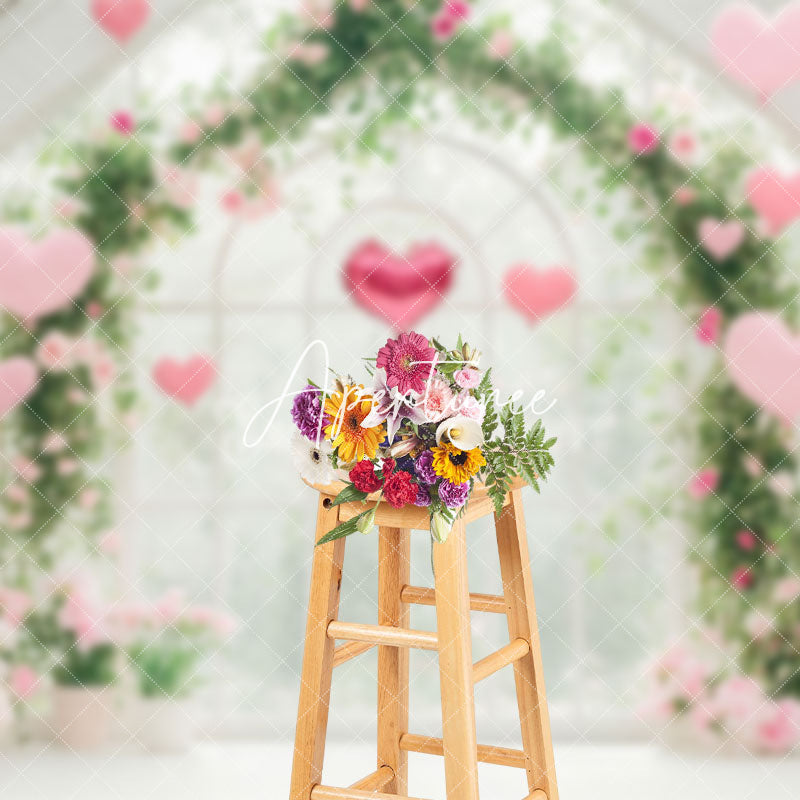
(408, 361)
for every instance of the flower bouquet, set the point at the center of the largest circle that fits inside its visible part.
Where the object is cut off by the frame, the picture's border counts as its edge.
(430, 427)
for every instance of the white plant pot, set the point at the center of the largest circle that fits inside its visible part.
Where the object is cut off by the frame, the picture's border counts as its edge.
(82, 718)
(164, 725)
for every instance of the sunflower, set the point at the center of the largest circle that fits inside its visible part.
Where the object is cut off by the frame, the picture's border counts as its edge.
(347, 410)
(456, 466)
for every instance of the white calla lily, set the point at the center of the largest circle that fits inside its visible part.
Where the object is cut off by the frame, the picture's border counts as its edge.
(463, 432)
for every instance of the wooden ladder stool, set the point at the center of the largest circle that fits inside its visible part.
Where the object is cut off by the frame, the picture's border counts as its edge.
(453, 641)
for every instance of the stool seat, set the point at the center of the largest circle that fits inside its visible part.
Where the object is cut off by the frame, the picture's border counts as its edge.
(412, 517)
(452, 641)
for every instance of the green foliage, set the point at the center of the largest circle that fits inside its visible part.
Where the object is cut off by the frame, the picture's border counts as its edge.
(518, 452)
(165, 668)
(95, 666)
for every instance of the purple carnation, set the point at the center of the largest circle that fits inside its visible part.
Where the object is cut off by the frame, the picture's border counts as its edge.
(423, 466)
(307, 410)
(423, 497)
(454, 495)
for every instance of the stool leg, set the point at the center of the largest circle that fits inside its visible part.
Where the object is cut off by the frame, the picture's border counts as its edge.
(315, 684)
(394, 571)
(537, 742)
(455, 666)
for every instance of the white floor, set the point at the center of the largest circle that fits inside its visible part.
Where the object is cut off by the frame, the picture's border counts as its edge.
(250, 771)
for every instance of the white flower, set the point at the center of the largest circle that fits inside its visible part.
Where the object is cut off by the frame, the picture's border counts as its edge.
(461, 431)
(313, 463)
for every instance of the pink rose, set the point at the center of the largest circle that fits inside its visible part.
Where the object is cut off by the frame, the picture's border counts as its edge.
(683, 145)
(214, 115)
(55, 351)
(123, 122)
(29, 471)
(14, 605)
(704, 483)
(232, 201)
(709, 325)
(779, 730)
(642, 139)
(111, 543)
(190, 132)
(17, 493)
(747, 540)
(103, 371)
(309, 53)
(467, 378)
(443, 26)
(80, 616)
(459, 9)
(752, 466)
(737, 700)
(89, 498)
(320, 12)
(66, 467)
(685, 195)
(359, 5)
(787, 590)
(742, 579)
(94, 309)
(23, 680)
(501, 45)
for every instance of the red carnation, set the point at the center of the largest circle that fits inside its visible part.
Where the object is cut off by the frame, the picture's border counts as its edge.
(399, 490)
(364, 478)
(388, 467)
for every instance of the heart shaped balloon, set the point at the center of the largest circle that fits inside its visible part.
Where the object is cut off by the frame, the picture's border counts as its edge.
(18, 377)
(39, 277)
(775, 197)
(763, 360)
(120, 18)
(186, 381)
(720, 239)
(400, 289)
(536, 293)
(762, 54)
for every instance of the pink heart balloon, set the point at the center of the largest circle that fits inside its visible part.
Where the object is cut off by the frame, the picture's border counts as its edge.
(18, 377)
(763, 360)
(186, 381)
(720, 239)
(425, 265)
(760, 53)
(775, 197)
(400, 289)
(120, 18)
(39, 277)
(537, 293)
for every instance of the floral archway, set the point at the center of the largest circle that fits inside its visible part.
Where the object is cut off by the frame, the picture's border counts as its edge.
(376, 64)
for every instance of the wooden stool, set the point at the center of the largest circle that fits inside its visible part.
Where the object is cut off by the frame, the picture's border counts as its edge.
(458, 674)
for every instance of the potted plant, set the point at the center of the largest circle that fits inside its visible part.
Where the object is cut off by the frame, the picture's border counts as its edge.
(166, 643)
(74, 626)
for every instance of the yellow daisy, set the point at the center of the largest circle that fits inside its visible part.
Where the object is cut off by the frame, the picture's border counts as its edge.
(457, 466)
(347, 410)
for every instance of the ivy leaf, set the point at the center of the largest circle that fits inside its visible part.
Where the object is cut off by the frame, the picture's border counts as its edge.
(348, 495)
(344, 529)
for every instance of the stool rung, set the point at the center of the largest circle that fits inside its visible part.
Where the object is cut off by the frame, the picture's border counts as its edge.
(332, 793)
(477, 602)
(538, 794)
(375, 781)
(512, 652)
(383, 634)
(343, 653)
(488, 754)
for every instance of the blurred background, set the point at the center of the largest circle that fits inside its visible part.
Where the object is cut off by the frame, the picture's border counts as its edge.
(182, 188)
